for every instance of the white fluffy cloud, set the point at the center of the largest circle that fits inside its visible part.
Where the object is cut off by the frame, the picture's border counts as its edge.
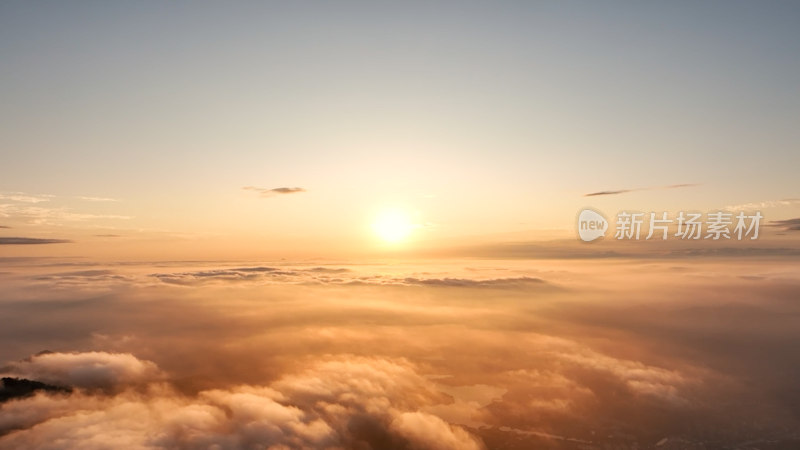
(86, 370)
(337, 404)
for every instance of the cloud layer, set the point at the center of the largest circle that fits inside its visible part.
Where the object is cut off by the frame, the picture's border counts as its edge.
(457, 354)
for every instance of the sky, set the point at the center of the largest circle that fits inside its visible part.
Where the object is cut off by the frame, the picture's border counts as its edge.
(475, 119)
(357, 225)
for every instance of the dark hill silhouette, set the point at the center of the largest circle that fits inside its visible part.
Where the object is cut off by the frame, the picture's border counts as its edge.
(12, 388)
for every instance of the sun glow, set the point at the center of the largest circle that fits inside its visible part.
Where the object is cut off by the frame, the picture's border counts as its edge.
(393, 225)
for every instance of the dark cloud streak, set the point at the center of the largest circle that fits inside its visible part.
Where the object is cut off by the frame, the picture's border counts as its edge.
(30, 241)
(596, 194)
(787, 225)
(625, 191)
(264, 192)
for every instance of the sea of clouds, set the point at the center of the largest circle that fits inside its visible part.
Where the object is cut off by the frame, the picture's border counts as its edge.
(453, 355)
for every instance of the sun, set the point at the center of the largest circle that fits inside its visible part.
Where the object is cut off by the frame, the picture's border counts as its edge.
(393, 225)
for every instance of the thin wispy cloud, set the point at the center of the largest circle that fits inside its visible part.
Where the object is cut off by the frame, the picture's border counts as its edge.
(42, 216)
(97, 199)
(764, 204)
(30, 241)
(22, 197)
(47, 209)
(265, 192)
(625, 191)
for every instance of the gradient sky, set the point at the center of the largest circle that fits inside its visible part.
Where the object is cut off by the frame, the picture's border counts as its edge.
(478, 118)
(189, 191)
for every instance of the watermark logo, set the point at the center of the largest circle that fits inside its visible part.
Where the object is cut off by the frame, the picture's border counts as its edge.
(591, 225)
(718, 225)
